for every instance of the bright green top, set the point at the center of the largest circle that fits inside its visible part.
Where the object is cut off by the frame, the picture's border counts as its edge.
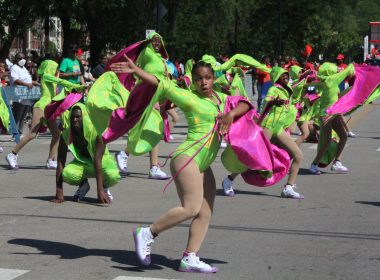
(279, 117)
(328, 74)
(200, 113)
(153, 62)
(49, 83)
(89, 134)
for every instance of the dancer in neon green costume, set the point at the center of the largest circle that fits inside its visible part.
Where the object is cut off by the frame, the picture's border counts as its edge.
(283, 114)
(152, 59)
(328, 74)
(46, 71)
(81, 138)
(193, 176)
(278, 114)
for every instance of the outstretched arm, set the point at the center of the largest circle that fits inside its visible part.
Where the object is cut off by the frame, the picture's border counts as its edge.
(131, 68)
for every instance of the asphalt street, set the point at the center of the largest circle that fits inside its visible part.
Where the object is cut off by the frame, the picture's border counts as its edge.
(334, 233)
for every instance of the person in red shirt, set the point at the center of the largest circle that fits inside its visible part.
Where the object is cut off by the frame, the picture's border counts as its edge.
(263, 81)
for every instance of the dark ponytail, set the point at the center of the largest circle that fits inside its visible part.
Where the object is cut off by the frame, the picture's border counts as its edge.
(200, 64)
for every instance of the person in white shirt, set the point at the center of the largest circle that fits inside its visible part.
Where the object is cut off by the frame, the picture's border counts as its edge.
(20, 76)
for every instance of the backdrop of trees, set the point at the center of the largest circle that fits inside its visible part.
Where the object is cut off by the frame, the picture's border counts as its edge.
(192, 28)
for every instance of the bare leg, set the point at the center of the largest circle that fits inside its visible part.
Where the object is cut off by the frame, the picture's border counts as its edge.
(54, 139)
(174, 116)
(337, 125)
(326, 130)
(36, 122)
(189, 185)
(154, 156)
(200, 223)
(292, 148)
(304, 128)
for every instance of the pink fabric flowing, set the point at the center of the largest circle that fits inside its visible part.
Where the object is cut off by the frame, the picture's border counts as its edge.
(132, 52)
(123, 119)
(254, 150)
(56, 108)
(367, 79)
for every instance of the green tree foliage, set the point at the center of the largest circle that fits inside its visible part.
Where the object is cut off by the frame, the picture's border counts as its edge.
(192, 28)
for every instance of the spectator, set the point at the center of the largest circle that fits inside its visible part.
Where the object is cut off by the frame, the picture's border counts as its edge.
(4, 75)
(99, 69)
(20, 76)
(70, 67)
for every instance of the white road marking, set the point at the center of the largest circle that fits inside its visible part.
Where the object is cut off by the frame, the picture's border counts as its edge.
(10, 274)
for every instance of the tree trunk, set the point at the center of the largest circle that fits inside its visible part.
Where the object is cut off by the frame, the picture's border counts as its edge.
(17, 26)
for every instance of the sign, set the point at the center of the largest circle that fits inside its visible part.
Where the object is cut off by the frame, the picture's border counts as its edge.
(365, 47)
(18, 93)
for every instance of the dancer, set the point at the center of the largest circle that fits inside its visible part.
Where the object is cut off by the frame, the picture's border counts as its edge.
(46, 71)
(331, 78)
(91, 158)
(151, 59)
(191, 162)
(278, 114)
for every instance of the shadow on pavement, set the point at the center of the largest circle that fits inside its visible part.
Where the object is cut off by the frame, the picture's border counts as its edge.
(87, 200)
(220, 192)
(70, 251)
(373, 203)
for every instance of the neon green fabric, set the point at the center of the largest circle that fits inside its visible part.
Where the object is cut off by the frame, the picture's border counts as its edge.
(148, 132)
(151, 61)
(189, 67)
(4, 112)
(105, 95)
(48, 89)
(84, 166)
(200, 113)
(242, 60)
(331, 79)
(142, 141)
(76, 171)
(67, 86)
(279, 117)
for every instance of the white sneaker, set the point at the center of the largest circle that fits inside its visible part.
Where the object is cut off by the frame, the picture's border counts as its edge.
(314, 169)
(156, 173)
(83, 189)
(351, 134)
(223, 145)
(338, 167)
(51, 164)
(171, 137)
(12, 160)
(109, 194)
(1, 150)
(122, 161)
(143, 238)
(227, 187)
(191, 263)
(288, 192)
